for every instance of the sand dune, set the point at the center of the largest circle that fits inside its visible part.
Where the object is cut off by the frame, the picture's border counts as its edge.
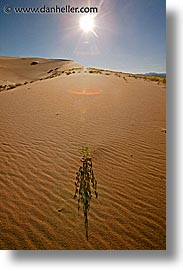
(42, 126)
(17, 70)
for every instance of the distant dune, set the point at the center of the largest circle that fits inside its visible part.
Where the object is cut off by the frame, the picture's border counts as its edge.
(58, 107)
(17, 70)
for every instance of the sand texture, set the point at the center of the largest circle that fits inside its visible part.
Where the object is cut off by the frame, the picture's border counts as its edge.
(42, 126)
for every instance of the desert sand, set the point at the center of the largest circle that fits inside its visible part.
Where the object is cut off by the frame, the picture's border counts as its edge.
(44, 120)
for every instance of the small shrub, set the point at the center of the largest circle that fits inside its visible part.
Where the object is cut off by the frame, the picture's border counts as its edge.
(2, 87)
(33, 63)
(94, 71)
(164, 81)
(18, 84)
(50, 71)
(11, 86)
(85, 183)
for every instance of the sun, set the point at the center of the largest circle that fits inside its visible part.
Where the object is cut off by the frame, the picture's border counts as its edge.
(87, 23)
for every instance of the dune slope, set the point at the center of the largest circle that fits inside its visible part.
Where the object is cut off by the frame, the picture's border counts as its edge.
(42, 126)
(19, 70)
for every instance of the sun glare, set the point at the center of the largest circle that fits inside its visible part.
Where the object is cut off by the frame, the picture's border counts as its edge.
(87, 23)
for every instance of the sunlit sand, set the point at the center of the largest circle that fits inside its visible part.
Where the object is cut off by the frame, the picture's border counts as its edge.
(47, 112)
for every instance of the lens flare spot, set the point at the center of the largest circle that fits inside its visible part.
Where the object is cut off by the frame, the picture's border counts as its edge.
(86, 92)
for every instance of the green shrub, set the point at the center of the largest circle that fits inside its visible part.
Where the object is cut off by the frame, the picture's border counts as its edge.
(85, 183)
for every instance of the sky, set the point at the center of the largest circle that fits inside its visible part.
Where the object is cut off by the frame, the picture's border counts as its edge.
(128, 35)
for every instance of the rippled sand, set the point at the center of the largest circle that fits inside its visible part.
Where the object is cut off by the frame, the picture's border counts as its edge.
(43, 124)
